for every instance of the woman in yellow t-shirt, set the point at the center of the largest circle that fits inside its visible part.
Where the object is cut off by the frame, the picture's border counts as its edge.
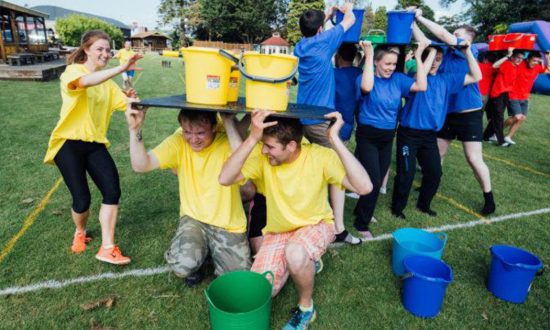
(78, 143)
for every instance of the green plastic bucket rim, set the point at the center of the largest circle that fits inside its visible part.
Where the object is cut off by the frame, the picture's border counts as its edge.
(264, 274)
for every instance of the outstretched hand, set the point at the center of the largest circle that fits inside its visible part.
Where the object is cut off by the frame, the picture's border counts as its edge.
(366, 46)
(258, 124)
(131, 65)
(420, 49)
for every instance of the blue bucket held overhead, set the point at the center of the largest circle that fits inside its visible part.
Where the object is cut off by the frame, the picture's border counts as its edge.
(413, 241)
(354, 33)
(400, 26)
(512, 273)
(424, 285)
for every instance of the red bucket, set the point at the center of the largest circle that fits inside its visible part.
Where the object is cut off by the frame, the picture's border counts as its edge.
(520, 40)
(496, 42)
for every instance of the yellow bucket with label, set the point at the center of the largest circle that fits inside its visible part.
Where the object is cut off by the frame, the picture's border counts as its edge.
(267, 79)
(207, 73)
(234, 84)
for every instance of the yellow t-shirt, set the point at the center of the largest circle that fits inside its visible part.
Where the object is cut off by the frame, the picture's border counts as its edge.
(201, 195)
(124, 55)
(296, 193)
(85, 113)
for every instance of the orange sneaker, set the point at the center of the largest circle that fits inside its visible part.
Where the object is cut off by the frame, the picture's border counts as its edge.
(112, 256)
(79, 242)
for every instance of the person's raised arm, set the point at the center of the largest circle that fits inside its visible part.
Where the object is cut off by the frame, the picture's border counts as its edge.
(508, 56)
(141, 160)
(357, 179)
(349, 17)
(421, 83)
(367, 78)
(418, 35)
(429, 60)
(231, 171)
(98, 77)
(231, 130)
(440, 32)
(474, 72)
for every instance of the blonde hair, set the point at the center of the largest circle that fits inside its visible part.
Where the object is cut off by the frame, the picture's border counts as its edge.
(79, 55)
(381, 51)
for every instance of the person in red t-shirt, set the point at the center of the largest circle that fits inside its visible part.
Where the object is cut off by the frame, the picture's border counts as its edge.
(498, 98)
(488, 73)
(527, 72)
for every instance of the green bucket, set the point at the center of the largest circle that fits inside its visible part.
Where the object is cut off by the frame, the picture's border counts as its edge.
(375, 37)
(240, 300)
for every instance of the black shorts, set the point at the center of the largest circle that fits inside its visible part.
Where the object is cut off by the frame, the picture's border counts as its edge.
(258, 217)
(465, 127)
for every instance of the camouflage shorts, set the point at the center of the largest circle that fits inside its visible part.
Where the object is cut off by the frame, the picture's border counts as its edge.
(195, 239)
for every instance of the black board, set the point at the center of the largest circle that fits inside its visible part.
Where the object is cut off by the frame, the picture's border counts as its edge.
(300, 111)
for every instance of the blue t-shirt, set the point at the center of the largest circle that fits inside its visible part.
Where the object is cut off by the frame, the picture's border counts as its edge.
(427, 110)
(379, 108)
(316, 74)
(345, 101)
(469, 97)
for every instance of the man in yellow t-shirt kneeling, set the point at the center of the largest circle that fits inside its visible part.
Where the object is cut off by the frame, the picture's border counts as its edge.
(295, 179)
(212, 219)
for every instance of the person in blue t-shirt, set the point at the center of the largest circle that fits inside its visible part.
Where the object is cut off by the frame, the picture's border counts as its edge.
(465, 116)
(422, 117)
(381, 91)
(345, 76)
(316, 87)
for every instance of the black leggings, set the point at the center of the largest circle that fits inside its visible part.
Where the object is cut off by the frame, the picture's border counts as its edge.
(74, 159)
(374, 152)
(413, 144)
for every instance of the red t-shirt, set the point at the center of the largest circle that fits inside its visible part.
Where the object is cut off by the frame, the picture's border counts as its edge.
(525, 78)
(488, 75)
(505, 78)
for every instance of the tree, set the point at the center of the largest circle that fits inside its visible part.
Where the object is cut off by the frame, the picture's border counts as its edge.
(179, 13)
(295, 9)
(381, 19)
(280, 8)
(246, 21)
(488, 15)
(368, 19)
(426, 10)
(72, 27)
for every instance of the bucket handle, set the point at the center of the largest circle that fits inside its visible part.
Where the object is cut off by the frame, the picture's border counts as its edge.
(272, 281)
(443, 236)
(266, 79)
(376, 31)
(406, 276)
(516, 39)
(208, 298)
(228, 56)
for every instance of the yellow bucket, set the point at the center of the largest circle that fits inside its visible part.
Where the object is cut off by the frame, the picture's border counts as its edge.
(207, 74)
(234, 85)
(268, 79)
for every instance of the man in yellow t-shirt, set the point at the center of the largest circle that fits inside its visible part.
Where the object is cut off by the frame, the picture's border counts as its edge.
(212, 219)
(294, 178)
(124, 55)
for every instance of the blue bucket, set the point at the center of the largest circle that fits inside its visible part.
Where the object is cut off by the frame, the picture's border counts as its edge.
(413, 241)
(512, 272)
(400, 26)
(424, 285)
(354, 32)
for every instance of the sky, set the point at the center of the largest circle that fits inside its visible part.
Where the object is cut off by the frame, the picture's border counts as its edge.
(145, 11)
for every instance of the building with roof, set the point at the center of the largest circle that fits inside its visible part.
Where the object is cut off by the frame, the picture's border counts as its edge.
(55, 12)
(22, 30)
(275, 45)
(149, 40)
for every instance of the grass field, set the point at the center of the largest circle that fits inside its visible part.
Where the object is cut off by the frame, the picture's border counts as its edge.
(356, 289)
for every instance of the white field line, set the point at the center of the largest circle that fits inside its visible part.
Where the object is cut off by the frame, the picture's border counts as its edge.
(58, 284)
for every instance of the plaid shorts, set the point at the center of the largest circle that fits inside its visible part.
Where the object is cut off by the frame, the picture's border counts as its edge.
(315, 239)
